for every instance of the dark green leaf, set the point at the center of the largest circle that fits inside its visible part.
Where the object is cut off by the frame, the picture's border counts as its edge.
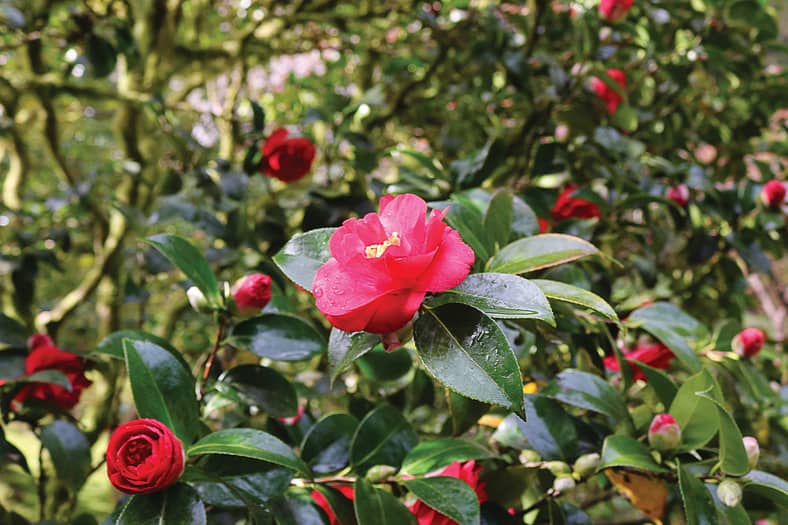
(300, 258)
(568, 293)
(524, 222)
(237, 482)
(340, 505)
(292, 510)
(499, 295)
(697, 416)
(384, 437)
(249, 443)
(466, 350)
(69, 450)
(263, 387)
(451, 497)
(549, 429)
(432, 455)
(733, 456)
(112, 345)
(661, 382)
(381, 366)
(12, 333)
(673, 327)
(346, 347)
(498, 219)
(767, 485)
(326, 446)
(191, 262)
(468, 221)
(698, 503)
(55, 377)
(178, 505)
(624, 451)
(374, 506)
(279, 337)
(539, 252)
(464, 412)
(587, 391)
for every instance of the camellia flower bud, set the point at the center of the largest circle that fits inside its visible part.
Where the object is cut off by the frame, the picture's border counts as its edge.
(586, 465)
(729, 492)
(563, 483)
(679, 194)
(773, 193)
(748, 342)
(251, 293)
(557, 467)
(664, 433)
(197, 300)
(752, 449)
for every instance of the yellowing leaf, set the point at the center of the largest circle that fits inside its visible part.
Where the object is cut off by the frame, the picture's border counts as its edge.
(647, 493)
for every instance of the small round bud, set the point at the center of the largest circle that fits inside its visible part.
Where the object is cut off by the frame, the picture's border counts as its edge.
(529, 456)
(752, 449)
(586, 465)
(679, 194)
(773, 193)
(664, 433)
(729, 492)
(252, 293)
(563, 483)
(380, 472)
(557, 467)
(748, 342)
(197, 300)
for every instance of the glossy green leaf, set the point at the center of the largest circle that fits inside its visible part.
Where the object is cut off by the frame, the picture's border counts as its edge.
(249, 443)
(237, 482)
(112, 345)
(549, 429)
(326, 446)
(303, 254)
(697, 416)
(70, 452)
(464, 412)
(733, 456)
(384, 437)
(12, 333)
(374, 506)
(499, 295)
(451, 497)
(54, 377)
(289, 509)
(661, 382)
(429, 456)
(464, 217)
(340, 505)
(162, 388)
(673, 327)
(498, 218)
(588, 391)
(279, 337)
(624, 451)
(767, 485)
(346, 347)
(381, 366)
(178, 505)
(698, 503)
(524, 221)
(263, 387)
(568, 293)
(191, 262)
(539, 252)
(466, 351)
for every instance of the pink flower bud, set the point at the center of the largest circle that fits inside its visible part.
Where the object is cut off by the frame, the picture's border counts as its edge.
(752, 449)
(664, 433)
(773, 193)
(252, 293)
(729, 492)
(679, 194)
(748, 342)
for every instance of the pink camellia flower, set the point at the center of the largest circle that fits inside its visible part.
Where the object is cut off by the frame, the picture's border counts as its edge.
(614, 10)
(679, 194)
(252, 293)
(287, 159)
(655, 355)
(568, 207)
(773, 193)
(383, 265)
(609, 95)
(468, 472)
(748, 342)
(664, 433)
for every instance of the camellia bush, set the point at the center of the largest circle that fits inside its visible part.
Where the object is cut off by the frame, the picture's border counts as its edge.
(330, 262)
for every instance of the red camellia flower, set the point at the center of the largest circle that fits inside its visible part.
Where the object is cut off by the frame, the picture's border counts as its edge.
(144, 456)
(655, 355)
(45, 356)
(252, 292)
(614, 10)
(567, 207)
(773, 193)
(383, 265)
(609, 95)
(748, 342)
(322, 502)
(469, 473)
(286, 159)
(679, 194)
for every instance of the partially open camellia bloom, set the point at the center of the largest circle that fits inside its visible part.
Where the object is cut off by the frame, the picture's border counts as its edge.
(607, 93)
(748, 342)
(614, 10)
(468, 472)
(144, 456)
(287, 159)
(568, 207)
(322, 502)
(383, 265)
(252, 293)
(655, 355)
(773, 193)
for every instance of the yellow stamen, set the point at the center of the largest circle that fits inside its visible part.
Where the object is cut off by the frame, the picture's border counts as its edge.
(376, 250)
